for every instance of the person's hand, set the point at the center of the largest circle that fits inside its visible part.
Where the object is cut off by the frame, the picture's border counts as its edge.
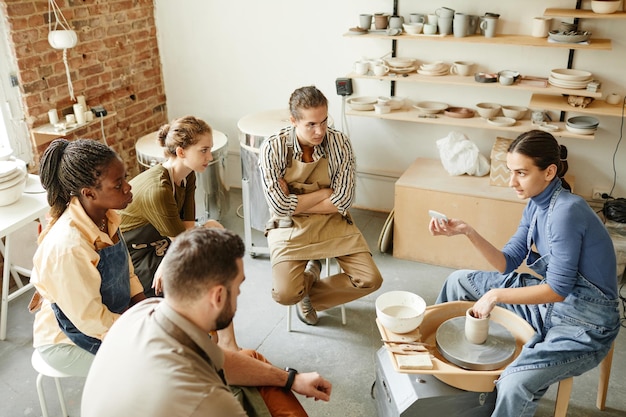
(213, 223)
(451, 227)
(312, 385)
(283, 186)
(156, 281)
(485, 304)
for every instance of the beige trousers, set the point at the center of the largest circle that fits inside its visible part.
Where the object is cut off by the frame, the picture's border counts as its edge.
(359, 277)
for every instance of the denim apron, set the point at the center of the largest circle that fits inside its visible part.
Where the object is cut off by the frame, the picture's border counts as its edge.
(572, 335)
(114, 289)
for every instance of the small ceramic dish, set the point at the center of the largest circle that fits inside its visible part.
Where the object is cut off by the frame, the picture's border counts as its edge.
(583, 122)
(430, 107)
(487, 110)
(501, 121)
(484, 77)
(459, 112)
(569, 74)
(514, 112)
(569, 37)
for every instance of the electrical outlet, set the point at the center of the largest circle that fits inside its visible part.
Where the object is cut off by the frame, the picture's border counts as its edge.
(597, 193)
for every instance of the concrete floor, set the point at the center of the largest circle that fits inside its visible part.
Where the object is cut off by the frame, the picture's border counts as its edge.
(343, 354)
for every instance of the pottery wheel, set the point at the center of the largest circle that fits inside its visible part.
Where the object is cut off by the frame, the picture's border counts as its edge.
(493, 354)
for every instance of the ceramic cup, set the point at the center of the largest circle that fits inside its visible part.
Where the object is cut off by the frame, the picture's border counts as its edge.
(472, 24)
(445, 25)
(431, 19)
(488, 25)
(538, 116)
(53, 116)
(476, 329)
(79, 113)
(459, 25)
(380, 70)
(395, 22)
(541, 26)
(417, 18)
(444, 12)
(361, 67)
(365, 21)
(429, 29)
(70, 118)
(462, 68)
(613, 99)
(381, 21)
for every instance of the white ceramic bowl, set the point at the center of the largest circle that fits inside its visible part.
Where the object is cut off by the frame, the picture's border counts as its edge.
(397, 62)
(430, 107)
(10, 195)
(514, 112)
(396, 103)
(400, 311)
(604, 6)
(569, 74)
(487, 110)
(501, 121)
(5, 153)
(583, 122)
(413, 28)
(382, 108)
(581, 130)
(362, 103)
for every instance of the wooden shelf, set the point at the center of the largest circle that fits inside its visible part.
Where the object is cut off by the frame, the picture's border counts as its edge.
(584, 14)
(469, 81)
(411, 115)
(47, 133)
(598, 107)
(522, 40)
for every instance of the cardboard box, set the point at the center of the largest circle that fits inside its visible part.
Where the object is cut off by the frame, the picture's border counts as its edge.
(499, 174)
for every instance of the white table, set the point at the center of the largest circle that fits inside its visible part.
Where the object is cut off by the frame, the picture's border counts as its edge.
(12, 218)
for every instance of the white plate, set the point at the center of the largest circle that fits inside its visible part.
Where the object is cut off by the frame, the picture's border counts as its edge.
(574, 85)
(33, 185)
(430, 107)
(568, 74)
(16, 180)
(501, 121)
(400, 62)
(7, 168)
(433, 73)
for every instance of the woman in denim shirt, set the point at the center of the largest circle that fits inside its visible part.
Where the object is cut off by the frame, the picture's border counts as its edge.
(574, 306)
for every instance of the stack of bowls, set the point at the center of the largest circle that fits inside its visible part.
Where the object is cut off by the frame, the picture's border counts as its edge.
(362, 103)
(582, 125)
(400, 65)
(13, 177)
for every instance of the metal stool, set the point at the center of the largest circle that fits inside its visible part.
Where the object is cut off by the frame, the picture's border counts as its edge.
(343, 308)
(44, 369)
(565, 387)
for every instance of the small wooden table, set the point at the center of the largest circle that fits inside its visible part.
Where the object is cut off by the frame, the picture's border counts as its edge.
(29, 208)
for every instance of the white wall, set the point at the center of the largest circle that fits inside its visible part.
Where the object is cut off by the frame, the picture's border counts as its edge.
(223, 60)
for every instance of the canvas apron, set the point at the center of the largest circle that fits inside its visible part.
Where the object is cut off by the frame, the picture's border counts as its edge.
(114, 288)
(311, 236)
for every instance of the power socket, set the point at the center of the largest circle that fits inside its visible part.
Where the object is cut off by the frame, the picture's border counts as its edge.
(99, 111)
(344, 86)
(599, 194)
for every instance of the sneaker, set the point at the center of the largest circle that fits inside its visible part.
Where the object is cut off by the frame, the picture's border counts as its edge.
(314, 267)
(306, 313)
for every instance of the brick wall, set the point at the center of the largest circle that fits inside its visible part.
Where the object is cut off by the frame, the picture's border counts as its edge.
(115, 64)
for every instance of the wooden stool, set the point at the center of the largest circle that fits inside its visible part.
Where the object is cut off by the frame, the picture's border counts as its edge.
(343, 308)
(43, 369)
(565, 387)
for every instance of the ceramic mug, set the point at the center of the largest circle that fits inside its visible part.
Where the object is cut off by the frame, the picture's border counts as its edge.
(541, 27)
(380, 69)
(476, 329)
(488, 25)
(429, 29)
(381, 21)
(53, 116)
(462, 68)
(365, 21)
(395, 22)
(444, 12)
(431, 19)
(445, 25)
(417, 18)
(361, 67)
(459, 25)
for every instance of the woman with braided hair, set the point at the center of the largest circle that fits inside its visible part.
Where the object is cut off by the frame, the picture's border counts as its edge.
(573, 307)
(81, 270)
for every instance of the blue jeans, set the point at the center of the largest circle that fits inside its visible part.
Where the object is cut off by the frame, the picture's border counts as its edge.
(572, 337)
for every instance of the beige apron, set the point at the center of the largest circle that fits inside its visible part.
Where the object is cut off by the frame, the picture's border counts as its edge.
(312, 236)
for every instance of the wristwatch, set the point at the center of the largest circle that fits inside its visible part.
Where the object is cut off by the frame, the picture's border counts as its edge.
(290, 378)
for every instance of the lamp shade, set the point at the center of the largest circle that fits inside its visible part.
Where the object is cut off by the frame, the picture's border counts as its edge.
(62, 39)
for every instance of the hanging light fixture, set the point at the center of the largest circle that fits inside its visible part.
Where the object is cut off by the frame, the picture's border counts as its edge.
(61, 37)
